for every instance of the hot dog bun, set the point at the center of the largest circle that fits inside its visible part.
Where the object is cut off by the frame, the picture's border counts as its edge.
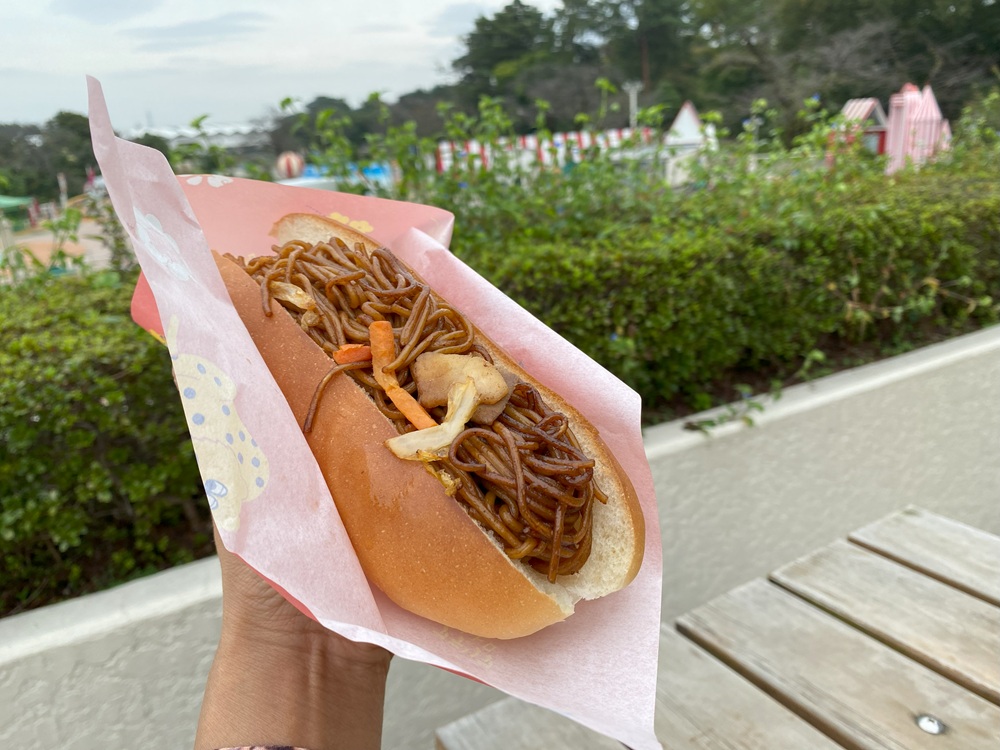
(415, 543)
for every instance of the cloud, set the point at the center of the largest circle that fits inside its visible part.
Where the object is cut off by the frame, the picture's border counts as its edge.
(103, 11)
(458, 19)
(22, 87)
(382, 28)
(196, 33)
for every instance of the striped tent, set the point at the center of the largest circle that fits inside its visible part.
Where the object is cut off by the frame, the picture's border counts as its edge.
(917, 131)
(865, 112)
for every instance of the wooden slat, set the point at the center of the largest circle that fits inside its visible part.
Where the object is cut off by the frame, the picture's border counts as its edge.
(943, 628)
(701, 704)
(511, 724)
(961, 556)
(858, 691)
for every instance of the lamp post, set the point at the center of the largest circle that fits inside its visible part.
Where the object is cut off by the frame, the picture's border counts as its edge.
(632, 88)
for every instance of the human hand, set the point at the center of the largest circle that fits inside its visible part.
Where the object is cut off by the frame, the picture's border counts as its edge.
(281, 678)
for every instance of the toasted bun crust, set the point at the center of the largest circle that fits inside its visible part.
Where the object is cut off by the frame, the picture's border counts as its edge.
(414, 542)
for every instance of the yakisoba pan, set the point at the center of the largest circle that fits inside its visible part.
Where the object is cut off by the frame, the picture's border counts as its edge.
(473, 495)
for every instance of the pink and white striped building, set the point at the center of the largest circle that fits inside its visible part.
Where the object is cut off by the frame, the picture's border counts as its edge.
(914, 129)
(917, 130)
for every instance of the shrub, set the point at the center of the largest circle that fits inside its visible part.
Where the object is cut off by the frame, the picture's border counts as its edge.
(674, 311)
(96, 459)
(771, 257)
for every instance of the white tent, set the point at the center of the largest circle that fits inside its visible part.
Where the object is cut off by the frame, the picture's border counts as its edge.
(685, 140)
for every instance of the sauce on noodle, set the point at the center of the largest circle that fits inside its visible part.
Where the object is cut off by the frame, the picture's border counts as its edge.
(525, 477)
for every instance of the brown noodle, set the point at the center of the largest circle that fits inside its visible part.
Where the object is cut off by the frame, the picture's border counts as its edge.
(525, 477)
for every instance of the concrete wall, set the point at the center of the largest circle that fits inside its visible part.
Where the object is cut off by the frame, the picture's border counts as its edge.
(126, 668)
(827, 457)
(121, 668)
(128, 665)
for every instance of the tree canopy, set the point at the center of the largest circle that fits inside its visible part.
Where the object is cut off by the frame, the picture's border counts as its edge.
(499, 47)
(721, 54)
(725, 54)
(32, 156)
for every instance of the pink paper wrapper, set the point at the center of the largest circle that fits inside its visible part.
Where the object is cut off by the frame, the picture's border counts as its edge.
(268, 496)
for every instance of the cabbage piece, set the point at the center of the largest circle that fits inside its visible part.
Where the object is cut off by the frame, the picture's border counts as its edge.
(433, 442)
(291, 294)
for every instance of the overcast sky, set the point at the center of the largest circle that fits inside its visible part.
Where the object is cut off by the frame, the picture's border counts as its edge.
(165, 62)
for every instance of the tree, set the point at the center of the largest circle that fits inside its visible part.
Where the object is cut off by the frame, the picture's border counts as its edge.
(158, 142)
(641, 40)
(582, 29)
(66, 138)
(568, 91)
(951, 45)
(421, 107)
(650, 39)
(502, 46)
(32, 156)
(845, 48)
(294, 132)
(23, 161)
(742, 65)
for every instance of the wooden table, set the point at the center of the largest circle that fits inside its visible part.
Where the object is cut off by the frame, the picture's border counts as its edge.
(889, 639)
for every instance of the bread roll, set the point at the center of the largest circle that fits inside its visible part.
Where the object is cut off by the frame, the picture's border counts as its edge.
(416, 543)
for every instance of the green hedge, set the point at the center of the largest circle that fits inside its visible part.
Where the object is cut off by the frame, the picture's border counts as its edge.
(674, 311)
(96, 470)
(771, 257)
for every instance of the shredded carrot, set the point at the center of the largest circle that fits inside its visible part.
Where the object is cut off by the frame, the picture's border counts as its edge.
(383, 349)
(411, 408)
(348, 353)
(383, 346)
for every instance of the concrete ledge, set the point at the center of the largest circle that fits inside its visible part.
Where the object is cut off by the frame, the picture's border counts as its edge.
(120, 668)
(829, 456)
(669, 437)
(82, 620)
(127, 666)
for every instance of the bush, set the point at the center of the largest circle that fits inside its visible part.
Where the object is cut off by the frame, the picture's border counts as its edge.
(96, 459)
(769, 259)
(675, 311)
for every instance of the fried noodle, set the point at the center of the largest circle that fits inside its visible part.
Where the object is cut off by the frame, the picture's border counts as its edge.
(525, 477)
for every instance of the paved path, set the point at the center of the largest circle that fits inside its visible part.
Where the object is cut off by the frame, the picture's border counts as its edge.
(89, 244)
